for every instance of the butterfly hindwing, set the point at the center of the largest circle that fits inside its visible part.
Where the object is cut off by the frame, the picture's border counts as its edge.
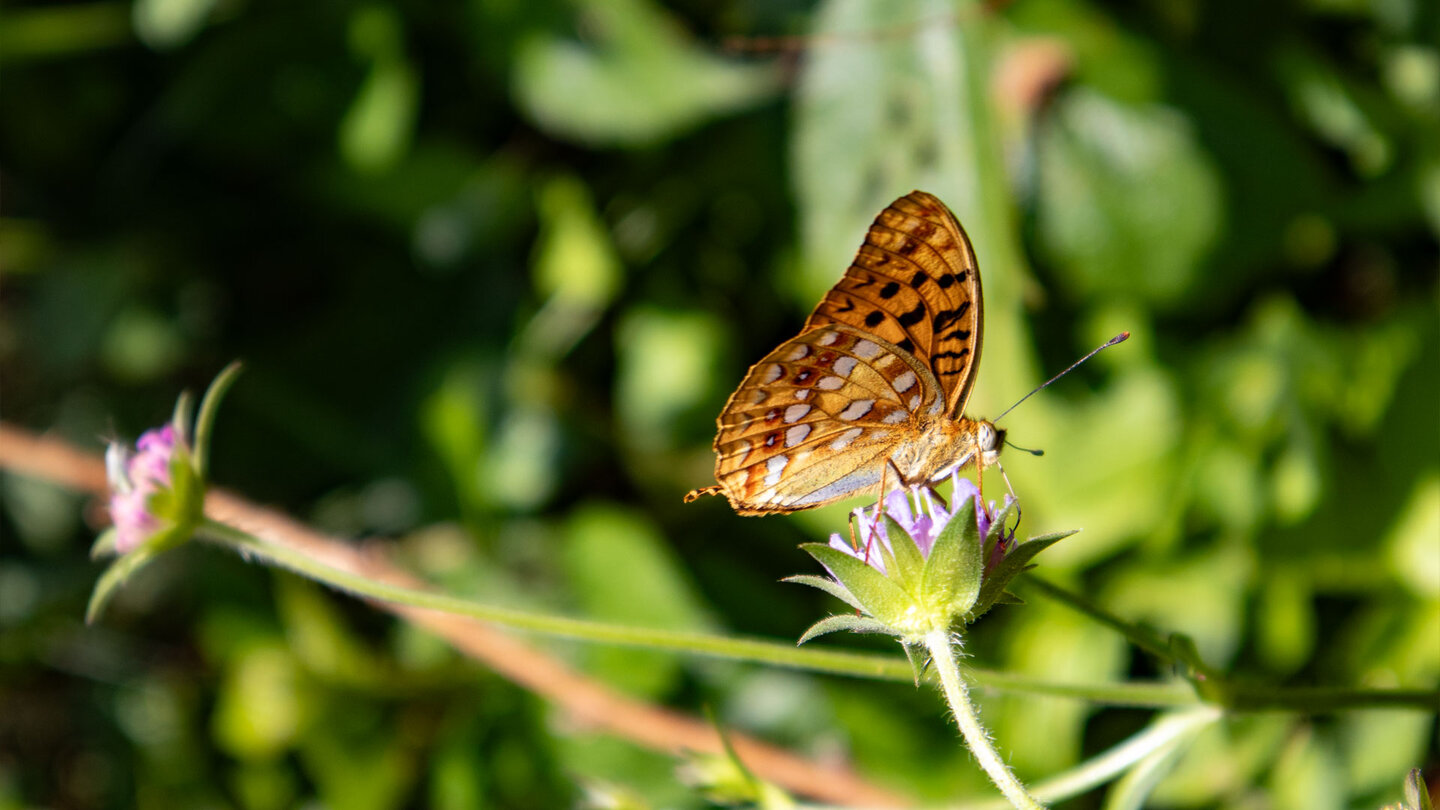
(915, 283)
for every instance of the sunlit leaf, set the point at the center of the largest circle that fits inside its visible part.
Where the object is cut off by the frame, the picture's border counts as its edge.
(1128, 202)
(637, 82)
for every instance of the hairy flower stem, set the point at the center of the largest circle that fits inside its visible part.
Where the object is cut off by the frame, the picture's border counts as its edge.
(942, 656)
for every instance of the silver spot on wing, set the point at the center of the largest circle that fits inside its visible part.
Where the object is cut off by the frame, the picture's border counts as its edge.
(773, 468)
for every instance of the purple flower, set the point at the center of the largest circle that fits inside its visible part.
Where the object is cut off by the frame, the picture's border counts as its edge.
(135, 477)
(915, 569)
(922, 521)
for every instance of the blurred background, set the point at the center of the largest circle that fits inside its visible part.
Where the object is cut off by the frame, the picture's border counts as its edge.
(494, 267)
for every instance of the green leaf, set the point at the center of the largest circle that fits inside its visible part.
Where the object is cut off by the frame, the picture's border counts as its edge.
(58, 30)
(362, 771)
(115, 576)
(261, 708)
(376, 131)
(1128, 202)
(184, 501)
(577, 268)
(180, 418)
(166, 24)
(723, 780)
(638, 83)
(846, 622)
(827, 585)
(624, 571)
(104, 545)
(919, 659)
(954, 569)
(902, 557)
(1417, 793)
(877, 595)
(455, 419)
(910, 108)
(993, 588)
(205, 418)
(665, 371)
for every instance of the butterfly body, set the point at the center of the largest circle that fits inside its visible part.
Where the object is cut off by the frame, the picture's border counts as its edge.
(874, 389)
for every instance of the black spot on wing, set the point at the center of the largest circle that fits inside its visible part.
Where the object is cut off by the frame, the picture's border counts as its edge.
(960, 355)
(914, 316)
(949, 316)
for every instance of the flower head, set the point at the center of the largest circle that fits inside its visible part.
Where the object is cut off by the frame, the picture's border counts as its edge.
(923, 516)
(920, 565)
(135, 479)
(157, 490)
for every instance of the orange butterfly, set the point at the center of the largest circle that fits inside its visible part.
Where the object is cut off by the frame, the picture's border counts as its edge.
(874, 389)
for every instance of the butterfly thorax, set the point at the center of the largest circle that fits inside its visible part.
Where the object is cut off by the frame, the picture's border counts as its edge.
(939, 444)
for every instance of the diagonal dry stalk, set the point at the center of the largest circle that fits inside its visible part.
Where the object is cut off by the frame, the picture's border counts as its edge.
(590, 702)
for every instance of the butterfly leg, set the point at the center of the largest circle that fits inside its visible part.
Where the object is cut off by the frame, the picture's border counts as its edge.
(880, 507)
(1010, 487)
(980, 479)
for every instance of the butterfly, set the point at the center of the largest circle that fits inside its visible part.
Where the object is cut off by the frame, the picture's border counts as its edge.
(872, 392)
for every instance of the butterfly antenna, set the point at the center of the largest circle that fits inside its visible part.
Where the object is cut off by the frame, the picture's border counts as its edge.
(1120, 338)
(1009, 443)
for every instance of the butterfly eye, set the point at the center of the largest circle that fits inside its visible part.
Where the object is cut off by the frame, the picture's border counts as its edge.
(986, 437)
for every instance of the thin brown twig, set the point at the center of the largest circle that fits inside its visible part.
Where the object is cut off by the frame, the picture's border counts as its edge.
(592, 703)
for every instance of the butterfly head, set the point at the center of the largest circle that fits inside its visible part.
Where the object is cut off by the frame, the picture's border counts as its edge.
(988, 440)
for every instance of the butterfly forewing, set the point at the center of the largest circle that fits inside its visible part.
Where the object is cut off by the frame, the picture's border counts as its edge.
(815, 420)
(915, 284)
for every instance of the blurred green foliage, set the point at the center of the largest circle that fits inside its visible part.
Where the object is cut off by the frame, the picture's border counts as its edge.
(494, 267)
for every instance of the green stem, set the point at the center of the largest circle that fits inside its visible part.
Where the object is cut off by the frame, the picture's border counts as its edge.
(858, 665)
(942, 657)
(1164, 734)
(1175, 695)
(1168, 731)
(1325, 699)
(1242, 697)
